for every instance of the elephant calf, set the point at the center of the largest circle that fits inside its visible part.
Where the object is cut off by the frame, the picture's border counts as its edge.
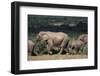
(80, 44)
(84, 39)
(74, 46)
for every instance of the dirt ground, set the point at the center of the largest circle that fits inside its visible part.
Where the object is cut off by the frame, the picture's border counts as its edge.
(56, 57)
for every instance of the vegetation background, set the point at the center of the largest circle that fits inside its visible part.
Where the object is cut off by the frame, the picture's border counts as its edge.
(73, 26)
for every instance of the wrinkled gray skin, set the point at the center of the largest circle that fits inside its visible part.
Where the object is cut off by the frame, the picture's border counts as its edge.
(55, 40)
(30, 45)
(83, 38)
(74, 46)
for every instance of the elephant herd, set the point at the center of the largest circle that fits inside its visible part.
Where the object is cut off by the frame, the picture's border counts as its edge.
(57, 41)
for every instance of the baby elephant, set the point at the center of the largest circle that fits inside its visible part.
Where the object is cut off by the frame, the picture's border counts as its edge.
(74, 46)
(30, 45)
(84, 39)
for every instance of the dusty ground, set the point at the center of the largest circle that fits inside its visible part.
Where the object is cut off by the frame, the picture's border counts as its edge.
(56, 57)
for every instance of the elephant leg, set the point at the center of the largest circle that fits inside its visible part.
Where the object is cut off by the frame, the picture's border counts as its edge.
(49, 49)
(78, 51)
(35, 51)
(49, 46)
(67, 51)
(67, 48)
(63, 44)
(61, 50)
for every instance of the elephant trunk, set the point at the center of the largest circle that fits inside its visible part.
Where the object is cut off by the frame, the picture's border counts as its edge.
(33, 49)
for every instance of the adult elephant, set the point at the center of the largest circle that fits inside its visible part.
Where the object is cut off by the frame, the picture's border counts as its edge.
(55, 40)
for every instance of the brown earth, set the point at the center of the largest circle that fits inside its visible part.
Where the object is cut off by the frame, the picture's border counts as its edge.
(56, 57)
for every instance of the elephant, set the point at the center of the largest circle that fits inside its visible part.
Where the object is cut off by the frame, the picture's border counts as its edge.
(31, 45)
(55, 40)
(74, 46)
(83, 38)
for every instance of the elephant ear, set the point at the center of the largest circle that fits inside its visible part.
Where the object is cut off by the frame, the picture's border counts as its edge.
(45, 37)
